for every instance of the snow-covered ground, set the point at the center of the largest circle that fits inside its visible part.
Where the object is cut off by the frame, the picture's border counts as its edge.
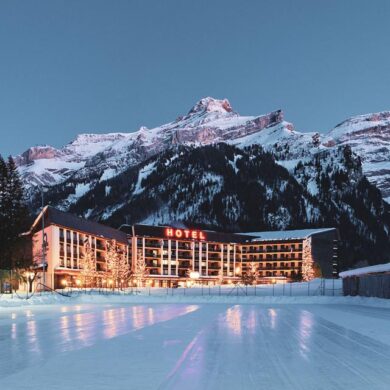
(194, 342)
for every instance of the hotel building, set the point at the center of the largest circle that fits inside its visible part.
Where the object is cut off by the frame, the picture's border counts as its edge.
(171, 255)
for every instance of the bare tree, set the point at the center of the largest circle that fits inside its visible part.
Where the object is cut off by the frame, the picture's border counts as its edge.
(251, 274)
(88, 264)
(307, 263)
(117, 264)
(140, 271)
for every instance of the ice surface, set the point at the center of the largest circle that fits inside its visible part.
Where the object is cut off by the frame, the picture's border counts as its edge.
(195, 346)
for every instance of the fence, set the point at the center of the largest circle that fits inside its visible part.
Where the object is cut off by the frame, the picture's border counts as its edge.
(317, 287)
(376, 285)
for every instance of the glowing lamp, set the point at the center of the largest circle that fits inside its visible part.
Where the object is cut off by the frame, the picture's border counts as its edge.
(64, 282)
(78, 282)
(194, 275)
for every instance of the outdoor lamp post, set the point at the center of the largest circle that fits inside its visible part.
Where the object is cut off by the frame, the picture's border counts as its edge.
(194, 275)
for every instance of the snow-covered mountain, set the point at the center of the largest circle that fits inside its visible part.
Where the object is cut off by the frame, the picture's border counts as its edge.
(369, 137)
(209, 121)
(92, 158)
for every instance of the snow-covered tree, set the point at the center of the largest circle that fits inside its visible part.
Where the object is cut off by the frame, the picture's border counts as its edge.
(88, 264)
(307, 261)
(117, 264)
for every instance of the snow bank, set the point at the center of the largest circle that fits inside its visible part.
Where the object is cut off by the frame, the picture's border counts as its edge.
(179, 297)
(366, 270)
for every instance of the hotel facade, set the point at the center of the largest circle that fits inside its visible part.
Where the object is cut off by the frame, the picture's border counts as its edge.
(175, 256)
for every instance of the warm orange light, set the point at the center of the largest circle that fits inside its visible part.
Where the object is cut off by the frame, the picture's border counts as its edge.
(194, 275)
(64, 282)
(78, 282)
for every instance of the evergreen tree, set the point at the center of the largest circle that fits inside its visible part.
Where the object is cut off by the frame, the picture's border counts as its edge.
(3, 214)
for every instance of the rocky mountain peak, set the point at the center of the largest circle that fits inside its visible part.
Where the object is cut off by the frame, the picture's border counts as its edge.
(209, 104)
(37, 153)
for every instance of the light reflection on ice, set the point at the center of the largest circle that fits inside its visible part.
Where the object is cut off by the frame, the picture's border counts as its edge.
(305, 331)
(13, 331)
(251, 322)
(32, 336)
(76, 327)
(273, 317)
(233, 319)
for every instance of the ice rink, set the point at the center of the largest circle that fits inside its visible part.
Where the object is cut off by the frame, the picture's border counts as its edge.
(194, 346)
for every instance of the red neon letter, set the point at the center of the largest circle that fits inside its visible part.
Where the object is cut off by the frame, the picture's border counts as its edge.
(202, 236)
(194, 234)
(187, 233)
(178, 233)
(169, 232)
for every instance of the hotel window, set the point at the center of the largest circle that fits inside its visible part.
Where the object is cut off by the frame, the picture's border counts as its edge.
(68, 235)
(61, 234)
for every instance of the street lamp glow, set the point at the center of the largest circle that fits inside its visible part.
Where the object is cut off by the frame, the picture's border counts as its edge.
(194, 275)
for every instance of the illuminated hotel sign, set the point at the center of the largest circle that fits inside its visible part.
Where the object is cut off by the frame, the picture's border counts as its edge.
(185, 233)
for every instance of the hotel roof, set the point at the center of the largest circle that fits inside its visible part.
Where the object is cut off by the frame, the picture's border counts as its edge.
(288, 234)
(67, 220)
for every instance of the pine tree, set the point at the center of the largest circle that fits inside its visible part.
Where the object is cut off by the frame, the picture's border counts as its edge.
(3, 214)
(13, 213)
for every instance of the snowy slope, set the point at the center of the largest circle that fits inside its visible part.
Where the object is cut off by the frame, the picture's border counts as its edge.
(369, 137)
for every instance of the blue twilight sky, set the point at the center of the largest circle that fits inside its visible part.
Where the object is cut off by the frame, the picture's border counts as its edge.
(71, 66)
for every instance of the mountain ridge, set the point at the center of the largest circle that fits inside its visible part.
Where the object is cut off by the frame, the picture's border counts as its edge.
(209, 121)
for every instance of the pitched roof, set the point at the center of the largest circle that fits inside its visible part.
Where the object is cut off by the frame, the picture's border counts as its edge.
(60, 218)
